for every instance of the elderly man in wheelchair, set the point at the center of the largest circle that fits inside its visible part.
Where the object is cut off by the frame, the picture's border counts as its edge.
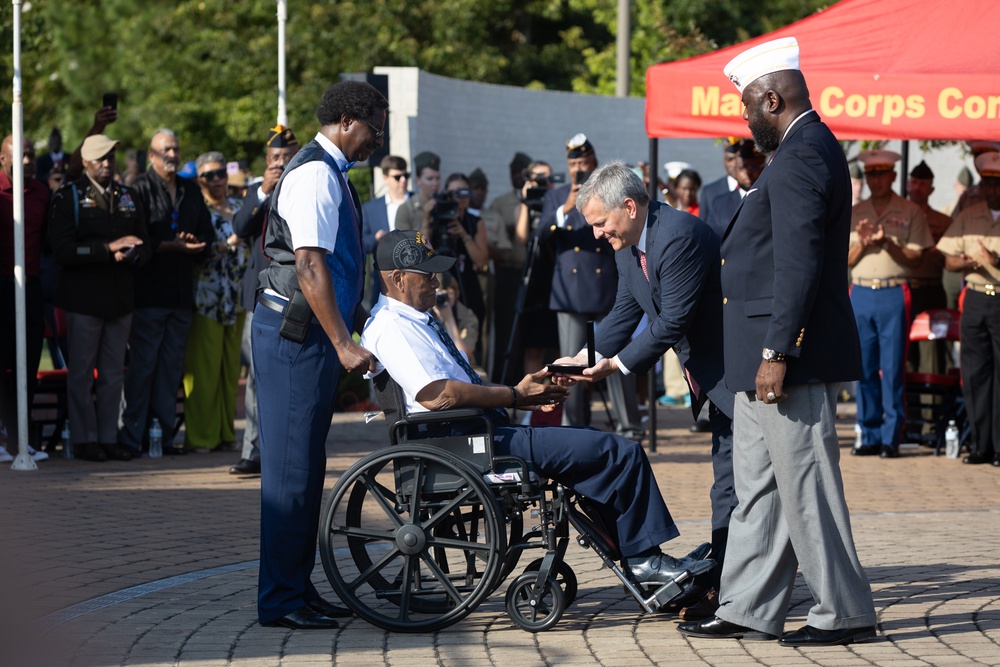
(606, 476)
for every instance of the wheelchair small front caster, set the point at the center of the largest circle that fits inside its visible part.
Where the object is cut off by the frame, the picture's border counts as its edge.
(564, 576)
(541, 616)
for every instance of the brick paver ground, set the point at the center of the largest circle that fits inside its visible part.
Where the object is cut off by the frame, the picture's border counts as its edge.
(79, 538)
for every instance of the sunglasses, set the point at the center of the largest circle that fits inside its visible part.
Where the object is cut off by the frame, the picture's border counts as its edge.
(215, 175)
(399, 177)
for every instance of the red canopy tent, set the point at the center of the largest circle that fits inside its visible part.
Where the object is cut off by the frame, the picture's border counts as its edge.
(876, 69)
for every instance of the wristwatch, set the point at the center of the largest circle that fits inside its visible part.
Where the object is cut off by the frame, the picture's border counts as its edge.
(771, 356)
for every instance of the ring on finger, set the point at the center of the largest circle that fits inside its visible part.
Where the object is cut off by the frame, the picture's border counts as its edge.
(771, 396)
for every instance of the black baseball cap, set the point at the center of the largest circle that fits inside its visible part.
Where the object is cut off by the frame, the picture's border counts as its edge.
(401, 249)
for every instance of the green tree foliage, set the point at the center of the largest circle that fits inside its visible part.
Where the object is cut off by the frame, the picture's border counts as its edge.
(207, 68)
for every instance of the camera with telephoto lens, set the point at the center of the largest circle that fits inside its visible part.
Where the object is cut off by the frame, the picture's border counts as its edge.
(441, 298)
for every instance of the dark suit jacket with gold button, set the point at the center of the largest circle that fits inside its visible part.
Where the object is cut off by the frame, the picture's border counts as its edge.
(585, 278)
(784, 270)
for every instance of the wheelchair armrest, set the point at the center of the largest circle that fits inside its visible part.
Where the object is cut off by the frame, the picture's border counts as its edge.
(400, 426)
(439, 416)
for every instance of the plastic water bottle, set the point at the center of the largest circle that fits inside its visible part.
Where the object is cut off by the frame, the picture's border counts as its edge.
(67, 447)
(951, 444)
(155, 439)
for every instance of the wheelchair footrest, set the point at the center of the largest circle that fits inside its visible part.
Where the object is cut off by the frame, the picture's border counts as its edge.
(664, 594)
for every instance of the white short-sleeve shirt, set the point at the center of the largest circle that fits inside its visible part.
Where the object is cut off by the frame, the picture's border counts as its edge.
(405, 345)
(310, 200)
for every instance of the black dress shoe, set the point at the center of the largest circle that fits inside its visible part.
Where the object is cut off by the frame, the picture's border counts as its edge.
(977, 459)
(866, 450)
(701, 426)
(321, 606)
(246, 467)
(716, 628)
(90, 451)
(117, 452)
(661, 568)
(810, 636)
(704, 608)
(889, 452)
(304, 618)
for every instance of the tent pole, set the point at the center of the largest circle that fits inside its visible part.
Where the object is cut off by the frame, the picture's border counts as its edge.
(282, 20)
(654, 178)
(23, 460)
(905, 170)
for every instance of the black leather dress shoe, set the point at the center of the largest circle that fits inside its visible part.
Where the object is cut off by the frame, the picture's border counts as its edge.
(116, 452)
(700, 552)
(866, 450)
(977, 459)
(716, 628)
(703, 608)
(810, 636)
(321, 606)
(889, 452)
(661, 568)
(701, 426)
(304, 618)
(246, 467)
(90, 451)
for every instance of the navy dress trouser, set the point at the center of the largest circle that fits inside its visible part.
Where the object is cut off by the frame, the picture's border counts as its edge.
(608, 469)
(296, 385)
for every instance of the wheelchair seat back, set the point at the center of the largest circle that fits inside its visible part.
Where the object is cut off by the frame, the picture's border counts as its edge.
(466, 434)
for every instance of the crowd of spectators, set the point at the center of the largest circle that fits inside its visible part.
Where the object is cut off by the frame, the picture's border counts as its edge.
(157, 281)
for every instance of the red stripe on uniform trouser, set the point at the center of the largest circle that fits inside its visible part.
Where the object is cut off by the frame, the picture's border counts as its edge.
(907, 299)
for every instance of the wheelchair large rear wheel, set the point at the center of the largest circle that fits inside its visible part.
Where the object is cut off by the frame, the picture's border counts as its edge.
(412, 539)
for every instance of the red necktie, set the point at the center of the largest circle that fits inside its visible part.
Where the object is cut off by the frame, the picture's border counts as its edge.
(642, 262)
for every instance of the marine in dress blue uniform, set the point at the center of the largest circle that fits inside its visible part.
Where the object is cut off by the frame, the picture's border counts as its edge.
(313, 239)
(888, 238)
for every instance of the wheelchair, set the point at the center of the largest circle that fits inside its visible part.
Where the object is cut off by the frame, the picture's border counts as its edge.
(415, 536)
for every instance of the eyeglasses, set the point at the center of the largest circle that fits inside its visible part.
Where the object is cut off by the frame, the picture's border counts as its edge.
(215, 175)
(379, 133)
(399, 177)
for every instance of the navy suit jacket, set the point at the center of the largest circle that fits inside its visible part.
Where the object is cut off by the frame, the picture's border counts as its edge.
(375, 218)
(723, 209)
(784, 274)
(683, 299)
(708, 194)
(584, 280)
(248, 223)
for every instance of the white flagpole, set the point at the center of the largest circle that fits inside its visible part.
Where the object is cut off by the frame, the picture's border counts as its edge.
(23, 460)
(282, 19)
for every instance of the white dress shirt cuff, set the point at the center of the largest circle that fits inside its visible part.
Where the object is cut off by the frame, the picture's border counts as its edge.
(622, 367)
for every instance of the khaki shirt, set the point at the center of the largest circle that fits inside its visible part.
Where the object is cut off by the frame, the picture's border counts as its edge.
(931, 266)
(971, 225)
(496, 231)
(410, 215)
(508, 205)
(904, 222)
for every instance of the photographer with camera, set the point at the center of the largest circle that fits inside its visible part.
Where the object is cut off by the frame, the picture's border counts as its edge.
(457, 319)
(454, 232)
(537, 324)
